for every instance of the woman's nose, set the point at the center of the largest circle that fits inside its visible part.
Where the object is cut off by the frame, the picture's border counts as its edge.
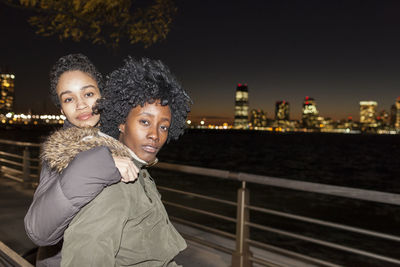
(81, 104)
(153, 134)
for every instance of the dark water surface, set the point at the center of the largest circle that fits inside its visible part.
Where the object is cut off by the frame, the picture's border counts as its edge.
(364, 161)
(360, 161)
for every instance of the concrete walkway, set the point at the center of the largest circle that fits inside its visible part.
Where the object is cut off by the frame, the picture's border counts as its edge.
(14, 203)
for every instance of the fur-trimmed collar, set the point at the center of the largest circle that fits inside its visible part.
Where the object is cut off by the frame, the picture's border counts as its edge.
(63, 145)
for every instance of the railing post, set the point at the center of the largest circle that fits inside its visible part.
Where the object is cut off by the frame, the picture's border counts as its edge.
(26, 171)
(39, 164)
(241, 257)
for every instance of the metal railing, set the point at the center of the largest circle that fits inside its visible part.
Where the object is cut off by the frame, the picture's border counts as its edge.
(242, 255)
(19, 165)
(242, 252)
(9, 258)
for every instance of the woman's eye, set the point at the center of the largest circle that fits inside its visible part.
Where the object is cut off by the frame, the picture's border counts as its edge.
(164, 128)
(144, 122)
(89, 94)
(67, 100)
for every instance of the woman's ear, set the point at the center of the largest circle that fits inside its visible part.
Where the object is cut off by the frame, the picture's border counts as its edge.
(121, 128)
(62, 112)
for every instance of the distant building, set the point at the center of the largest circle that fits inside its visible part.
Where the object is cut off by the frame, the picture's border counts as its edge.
(368, 114)
(258, 118)
(241, 107)
(393, 115)
(282, 110)
(383, 118)
(6, 93)
(310, 113)
(397, 121)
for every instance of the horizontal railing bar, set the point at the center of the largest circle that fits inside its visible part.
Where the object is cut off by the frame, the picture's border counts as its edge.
(198, 195)
(13, 177)
(11, 162)
(202, 227)
(34, 167)
(325, 243)
(263, 262)
(193, 170)
(206, 243)
(11, 256)
(324, 223)
(200, 211)
(17, 156)
(355, 193)
(18, 143)
(11, 155)
(12, 170)
(290, 253)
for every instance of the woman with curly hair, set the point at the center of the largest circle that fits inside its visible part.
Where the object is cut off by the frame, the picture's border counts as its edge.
(143, 107)
(75, 86)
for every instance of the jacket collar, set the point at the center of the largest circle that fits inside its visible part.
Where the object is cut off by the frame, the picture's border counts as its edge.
(67, 124)
(138, 161)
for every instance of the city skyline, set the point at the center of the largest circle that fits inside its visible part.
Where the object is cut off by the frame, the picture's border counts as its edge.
(339, 53)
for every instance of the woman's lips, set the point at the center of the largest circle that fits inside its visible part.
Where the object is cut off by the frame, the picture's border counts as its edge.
(150, 149)
(84, 116)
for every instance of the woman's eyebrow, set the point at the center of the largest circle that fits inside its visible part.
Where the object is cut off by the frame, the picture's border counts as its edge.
(83, 88)
(87, 86)
(151, 115)
(65, 92)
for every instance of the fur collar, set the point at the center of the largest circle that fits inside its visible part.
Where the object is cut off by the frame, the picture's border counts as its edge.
(63, 145)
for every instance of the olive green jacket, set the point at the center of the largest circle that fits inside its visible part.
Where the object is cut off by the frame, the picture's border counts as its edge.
(126, 224)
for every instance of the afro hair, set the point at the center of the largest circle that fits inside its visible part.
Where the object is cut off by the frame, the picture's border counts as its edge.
(72, 62)
(139, 82)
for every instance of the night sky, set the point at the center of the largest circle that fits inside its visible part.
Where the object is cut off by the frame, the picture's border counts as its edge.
(338, 52)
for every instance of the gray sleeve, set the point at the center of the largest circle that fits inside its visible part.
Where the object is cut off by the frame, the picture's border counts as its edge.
(59, 197)
(88, 174)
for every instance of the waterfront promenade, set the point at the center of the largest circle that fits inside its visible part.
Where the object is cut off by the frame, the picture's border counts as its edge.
(15, 200)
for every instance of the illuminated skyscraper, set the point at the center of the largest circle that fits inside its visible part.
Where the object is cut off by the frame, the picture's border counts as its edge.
(393, 115)
(368, 113)
(282, 110)
(397, 121)
(241, 107)
(258, 118)
(383, 118)
(6, 92)
(310, 113)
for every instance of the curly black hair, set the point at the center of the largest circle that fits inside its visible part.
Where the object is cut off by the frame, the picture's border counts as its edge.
(139, 82)
(72, 62)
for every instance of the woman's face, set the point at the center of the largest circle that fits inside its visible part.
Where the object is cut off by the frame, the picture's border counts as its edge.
(78, 92)
(146, 130)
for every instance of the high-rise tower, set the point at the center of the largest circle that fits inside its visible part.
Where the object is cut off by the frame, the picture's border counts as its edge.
(368, 113)
(282, 111)
(241, 107)
(258, 118)
(397, 121)
(6, 92)
(310, 113)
